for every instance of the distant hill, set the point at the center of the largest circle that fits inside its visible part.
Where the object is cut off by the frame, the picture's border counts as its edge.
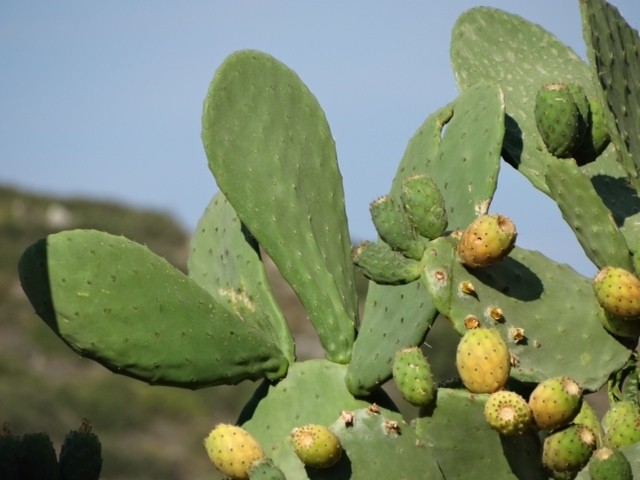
(147, 432)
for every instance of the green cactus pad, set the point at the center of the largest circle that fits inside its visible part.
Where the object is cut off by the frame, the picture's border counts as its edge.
(531, 58)
(385, 266)
(615, 57)
(272, 154)
(265, 470)
(116, 302)
(457, 429)
(587, 215)
(395, 228)
(464, 159)
(380, 444)
(225, 260)
(313, 391)
(543, 304)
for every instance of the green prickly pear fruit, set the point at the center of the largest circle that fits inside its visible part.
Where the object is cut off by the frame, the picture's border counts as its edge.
(265, 469)
(588, 417)
(412, 375)
(38, 459)
(483, 360)
(424, 204)
(508, 413)
(383, 265)
(609, 464)
(622, 327)
(618, 292)
(316, 445)
(597, 136)
(560, 122)
(395, 228)
(9, 454)
(621, 425)
(81, 454)
(568, 449)
(487, 240)
(233, 450)
(555, 402)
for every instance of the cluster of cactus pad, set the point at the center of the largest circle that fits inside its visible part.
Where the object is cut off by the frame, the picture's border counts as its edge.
(530, 336)
(32, 456)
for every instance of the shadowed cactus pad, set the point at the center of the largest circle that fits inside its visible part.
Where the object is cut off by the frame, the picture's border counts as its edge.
(508, 413)
(233, 450)
(38, 460)
(482, 360)
(487, 240)
(81, 455)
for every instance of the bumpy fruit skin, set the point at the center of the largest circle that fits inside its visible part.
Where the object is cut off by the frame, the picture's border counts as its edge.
(38, 459)
(80, 456)
(508, 413)
(559, 119)
(618, 292)
(412, 375)
(316, 446)
(487, 240)
(621, 424)
(233, 450)
(609, 464)
(555, 402)
(569, 449)
(424, 205)
(483, 361)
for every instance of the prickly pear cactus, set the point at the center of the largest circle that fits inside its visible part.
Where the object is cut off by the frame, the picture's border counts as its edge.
(515, 323)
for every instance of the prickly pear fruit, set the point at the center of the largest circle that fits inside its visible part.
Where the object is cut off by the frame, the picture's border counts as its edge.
(596, 137)
(233, 450)
(9, 454)
(555, 402)
(488, 239)
(588, 417)
(508, 413)
(483, 360)
(424, 205)
(618, 292)
(568, 449)
(621, 425)
(38, 459)
(559, 120)
(81, 454)
(395, 229)
(316, 445)
(383, 265)
(265, 469)
(609, 464)
(412, 375)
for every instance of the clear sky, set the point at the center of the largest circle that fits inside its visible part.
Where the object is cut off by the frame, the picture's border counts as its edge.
(104, 98)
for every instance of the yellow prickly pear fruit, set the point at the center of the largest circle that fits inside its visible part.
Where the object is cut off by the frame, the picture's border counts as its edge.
(483, 360)
(618, 292)
(555, 402)
(233, 450)
(316, 445)
(508, 413)
(487, 240)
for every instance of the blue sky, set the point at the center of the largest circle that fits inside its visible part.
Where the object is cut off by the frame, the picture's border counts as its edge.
(104, 98)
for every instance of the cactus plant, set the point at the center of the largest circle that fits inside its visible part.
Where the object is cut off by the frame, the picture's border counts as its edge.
(521, 318)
